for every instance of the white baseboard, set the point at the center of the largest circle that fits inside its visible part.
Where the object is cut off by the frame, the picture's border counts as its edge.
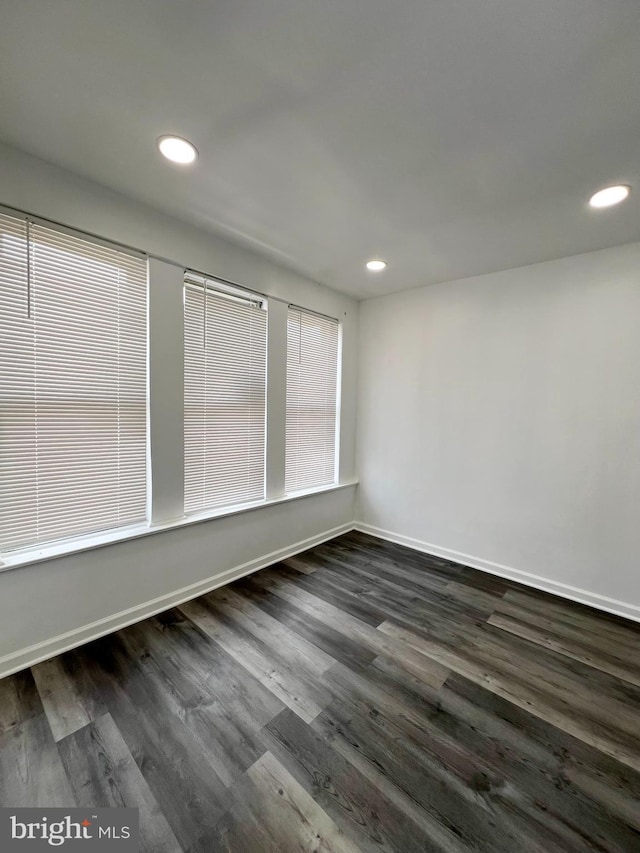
(582, 596)
(32, 655)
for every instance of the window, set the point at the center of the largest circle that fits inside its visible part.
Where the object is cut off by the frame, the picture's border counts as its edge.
(75, 423)
(73, 385)
(312, 380)
(224, 385)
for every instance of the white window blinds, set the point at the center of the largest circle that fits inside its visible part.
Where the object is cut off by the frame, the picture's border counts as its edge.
(225, 377)
(312, 380)
(73, 347)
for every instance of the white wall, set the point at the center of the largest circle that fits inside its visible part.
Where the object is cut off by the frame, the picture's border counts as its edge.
(60, 602)
(499, 418)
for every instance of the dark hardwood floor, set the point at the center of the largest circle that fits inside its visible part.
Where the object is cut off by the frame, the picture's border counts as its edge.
(360, 696)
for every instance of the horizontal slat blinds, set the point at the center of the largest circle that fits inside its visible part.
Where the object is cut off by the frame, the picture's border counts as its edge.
(225, 377)
(73, 346)
(312, 379)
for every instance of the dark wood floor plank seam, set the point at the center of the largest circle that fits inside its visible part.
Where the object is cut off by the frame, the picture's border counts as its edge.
(335, 644)
(272, 633)
(565, 645)
(31, 772)
(389, 596)
(178, 771)
(412, 656)
(466, 749)
(63, 704)
(19, 700)
(101, 769)
(294, 689)
(361, 810)
(515, 686)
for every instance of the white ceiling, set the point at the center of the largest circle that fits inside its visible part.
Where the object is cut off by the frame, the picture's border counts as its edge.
(451, 137)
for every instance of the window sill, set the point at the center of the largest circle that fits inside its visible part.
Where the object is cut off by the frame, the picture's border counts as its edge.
(99, 540)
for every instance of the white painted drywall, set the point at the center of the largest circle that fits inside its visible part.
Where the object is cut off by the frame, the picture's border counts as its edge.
(499, 416)
(277, 397)
(166, 390)
(43, 601)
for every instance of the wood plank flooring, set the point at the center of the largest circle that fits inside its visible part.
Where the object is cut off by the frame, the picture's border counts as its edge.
(358, 697)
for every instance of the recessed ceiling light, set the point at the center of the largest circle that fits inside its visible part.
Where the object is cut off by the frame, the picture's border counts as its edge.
(177, 150)
(376, 265)
(609, 196)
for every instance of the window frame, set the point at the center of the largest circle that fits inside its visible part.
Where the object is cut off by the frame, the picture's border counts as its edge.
(165, 500)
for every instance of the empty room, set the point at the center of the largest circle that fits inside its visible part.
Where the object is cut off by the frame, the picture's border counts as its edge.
(320, 426)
